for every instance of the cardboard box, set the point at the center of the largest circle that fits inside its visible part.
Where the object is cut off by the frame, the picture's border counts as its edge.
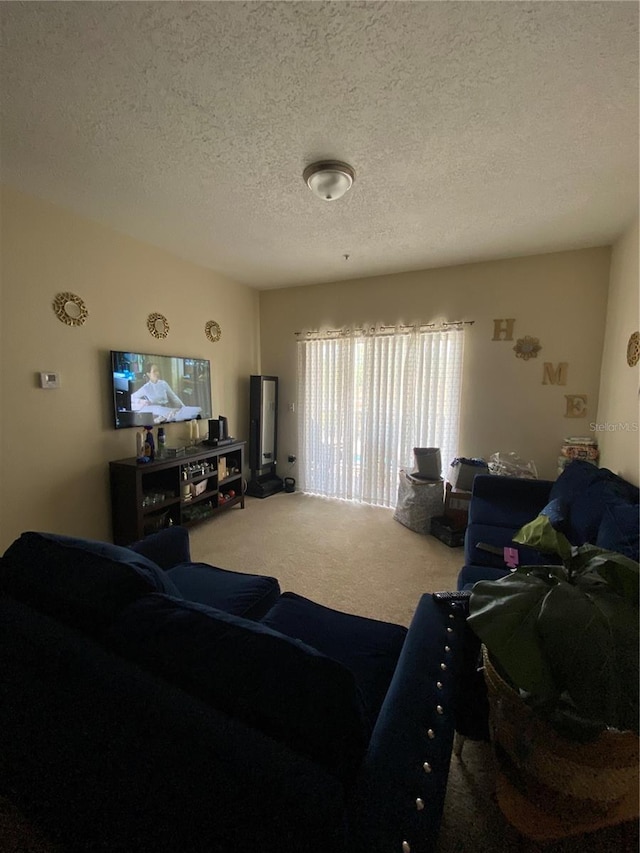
(456, 506)
(199, 488)
(462, 475)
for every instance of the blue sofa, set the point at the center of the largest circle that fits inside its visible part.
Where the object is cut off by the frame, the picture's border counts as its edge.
(150, 703)
(588, 504)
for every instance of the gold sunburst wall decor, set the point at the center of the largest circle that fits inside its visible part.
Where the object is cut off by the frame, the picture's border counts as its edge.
(527, 347)
(70, 309)
(633, 349)
(158, 325)
(213, 331)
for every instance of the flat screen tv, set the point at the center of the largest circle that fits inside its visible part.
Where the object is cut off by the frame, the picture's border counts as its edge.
(157, 389)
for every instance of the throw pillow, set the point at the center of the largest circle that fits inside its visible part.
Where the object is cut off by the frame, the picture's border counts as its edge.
(575, 478)
(587, 509)
(619, 530)
(240, 593)
(369, 648)
(274, 683)
(166, 548)
(557, 512)
(80, 581)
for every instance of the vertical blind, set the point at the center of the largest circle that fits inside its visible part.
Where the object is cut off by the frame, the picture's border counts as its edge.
(366, 400)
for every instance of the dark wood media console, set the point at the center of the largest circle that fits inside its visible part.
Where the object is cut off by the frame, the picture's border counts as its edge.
(147, 496)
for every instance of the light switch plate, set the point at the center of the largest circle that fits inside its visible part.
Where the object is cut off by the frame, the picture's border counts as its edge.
(49, 380)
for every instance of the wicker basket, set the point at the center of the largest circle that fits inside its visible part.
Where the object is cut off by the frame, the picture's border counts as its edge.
(579, 784)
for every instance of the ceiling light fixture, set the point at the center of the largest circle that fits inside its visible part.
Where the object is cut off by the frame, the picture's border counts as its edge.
(329, 179)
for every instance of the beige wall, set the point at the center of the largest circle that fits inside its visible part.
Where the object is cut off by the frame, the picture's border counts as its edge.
(56, 445)
(618, 417)
(559, 298)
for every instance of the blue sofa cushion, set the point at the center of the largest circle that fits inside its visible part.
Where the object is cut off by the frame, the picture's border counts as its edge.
(166, 548)
(272, 682)
(557, 512)
(367, 647)
(587, 490)
(587, 509)
(575, 478)
(619, 530)
(242, 594)
(507, 501)
(80, 581)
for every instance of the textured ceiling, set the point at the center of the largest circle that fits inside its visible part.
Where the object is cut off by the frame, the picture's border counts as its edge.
(477, 130)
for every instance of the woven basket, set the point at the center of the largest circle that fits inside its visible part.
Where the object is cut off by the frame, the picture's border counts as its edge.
(581, 782)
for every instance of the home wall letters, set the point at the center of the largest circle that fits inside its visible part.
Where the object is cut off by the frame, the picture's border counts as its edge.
(555, 376)
(575, 404)
(503, 327)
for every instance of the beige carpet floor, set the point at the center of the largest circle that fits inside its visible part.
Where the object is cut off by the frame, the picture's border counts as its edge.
(345, 555)
(357, 558)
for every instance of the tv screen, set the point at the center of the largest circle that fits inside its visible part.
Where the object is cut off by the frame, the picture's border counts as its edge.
(157, 389)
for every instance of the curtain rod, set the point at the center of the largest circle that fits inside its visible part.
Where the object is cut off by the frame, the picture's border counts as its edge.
(387, 328)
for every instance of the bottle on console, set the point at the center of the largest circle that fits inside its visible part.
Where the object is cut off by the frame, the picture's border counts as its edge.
(162, 442)
(149, 444)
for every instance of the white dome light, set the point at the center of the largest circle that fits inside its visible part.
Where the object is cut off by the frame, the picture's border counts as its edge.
(329, 179)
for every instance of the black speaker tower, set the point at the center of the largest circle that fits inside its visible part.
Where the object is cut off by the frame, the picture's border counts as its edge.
(263, 434)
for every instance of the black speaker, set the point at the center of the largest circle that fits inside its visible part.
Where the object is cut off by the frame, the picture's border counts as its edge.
(214, 430)
(224, 426)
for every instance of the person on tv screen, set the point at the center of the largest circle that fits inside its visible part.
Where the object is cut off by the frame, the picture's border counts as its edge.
(156, 392)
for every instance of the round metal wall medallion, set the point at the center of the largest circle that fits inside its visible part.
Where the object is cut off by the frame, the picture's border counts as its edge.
(633, 349)
(527, 347)
(213, 331)
(158, 325)
(70, 309)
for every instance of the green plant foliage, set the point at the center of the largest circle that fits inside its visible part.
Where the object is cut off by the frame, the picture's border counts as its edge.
(541, 534)
(566, 636)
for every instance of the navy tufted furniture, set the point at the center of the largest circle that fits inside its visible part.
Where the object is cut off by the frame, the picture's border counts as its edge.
(149, 703)
(590, 504)
(586, 503)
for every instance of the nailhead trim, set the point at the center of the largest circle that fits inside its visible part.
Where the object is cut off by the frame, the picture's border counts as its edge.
(406, 847)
